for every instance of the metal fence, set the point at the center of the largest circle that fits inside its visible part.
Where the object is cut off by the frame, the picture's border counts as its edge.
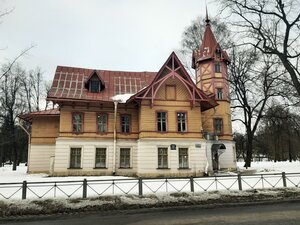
(140, 186)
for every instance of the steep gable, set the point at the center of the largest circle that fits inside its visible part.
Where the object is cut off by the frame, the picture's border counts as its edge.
(173, 68)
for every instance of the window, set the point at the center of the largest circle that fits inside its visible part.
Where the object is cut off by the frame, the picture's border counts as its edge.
(125, 158)
(217, 67)
(94, 83)
(183, 158)
(94, 86)
(75, 158)
(77, 120)
(181, 122)
(218, 126)
(161, 121)
(219, 93)
(170, 92)
(102, 122)
(218, 53)
(125, 123)
(100, 161)
(162, 157)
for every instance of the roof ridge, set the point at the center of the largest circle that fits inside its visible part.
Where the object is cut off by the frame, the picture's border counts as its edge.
(104, 70)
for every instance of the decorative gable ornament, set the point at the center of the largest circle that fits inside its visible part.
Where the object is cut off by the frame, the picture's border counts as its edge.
(173, 68)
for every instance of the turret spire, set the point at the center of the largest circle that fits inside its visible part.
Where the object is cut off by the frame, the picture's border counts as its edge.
(206, 18)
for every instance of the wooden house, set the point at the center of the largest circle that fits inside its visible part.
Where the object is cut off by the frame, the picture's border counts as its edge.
(146, 124)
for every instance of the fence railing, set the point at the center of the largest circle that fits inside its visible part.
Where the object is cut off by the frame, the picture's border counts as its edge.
(140, 186)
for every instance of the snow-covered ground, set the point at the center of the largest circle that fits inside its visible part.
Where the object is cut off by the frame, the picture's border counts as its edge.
(9, 176)
(271, 167)
(117, 185)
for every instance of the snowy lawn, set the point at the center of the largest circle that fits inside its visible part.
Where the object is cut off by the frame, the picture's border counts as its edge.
(271, 167)
(9, 176)
(72, 186)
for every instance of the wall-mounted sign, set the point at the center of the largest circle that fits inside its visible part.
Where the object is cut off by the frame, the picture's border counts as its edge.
(198, 145)
(173, 147)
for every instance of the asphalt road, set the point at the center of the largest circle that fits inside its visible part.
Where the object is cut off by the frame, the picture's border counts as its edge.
(267, 214)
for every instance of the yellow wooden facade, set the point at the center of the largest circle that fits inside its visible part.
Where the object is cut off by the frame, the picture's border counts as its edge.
(143, 122)
(209, 81)
(45, 130)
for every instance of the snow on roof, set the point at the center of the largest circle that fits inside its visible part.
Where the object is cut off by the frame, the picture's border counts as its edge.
(121, 98)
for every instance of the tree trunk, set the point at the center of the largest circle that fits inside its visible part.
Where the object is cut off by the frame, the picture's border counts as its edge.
(286, 63)
(248, 159)
(13, 138)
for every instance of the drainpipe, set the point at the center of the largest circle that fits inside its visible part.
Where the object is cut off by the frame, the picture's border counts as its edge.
(115, 137)
(207, 164)
(29, 142)
(206, 150)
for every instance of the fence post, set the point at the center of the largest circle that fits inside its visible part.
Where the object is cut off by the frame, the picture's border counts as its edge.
(84, 188)
(284, 179)
(192, 183)
(140, 186)
(239, 181)
(24, 189)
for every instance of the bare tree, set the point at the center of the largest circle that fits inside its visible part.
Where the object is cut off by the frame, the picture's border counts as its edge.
(272, 26)
(32, 84)
(280, 134)
(12, 103)
(5, 12)
(240, 142)
(254, 80)
(47, 87)
(10, 65)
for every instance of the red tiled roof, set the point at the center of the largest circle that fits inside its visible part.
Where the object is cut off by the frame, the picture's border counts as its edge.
(208, 47)
(49, 112)
(69, 83)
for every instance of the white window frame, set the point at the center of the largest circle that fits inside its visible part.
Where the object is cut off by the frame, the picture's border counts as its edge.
(106, 157)
(130, 157)
(188, 152)
(81, 157)
(168, 155)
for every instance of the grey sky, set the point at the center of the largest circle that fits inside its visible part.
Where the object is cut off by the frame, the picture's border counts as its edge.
(131, 35)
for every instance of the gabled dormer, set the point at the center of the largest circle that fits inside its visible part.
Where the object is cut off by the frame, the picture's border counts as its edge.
(94, 83)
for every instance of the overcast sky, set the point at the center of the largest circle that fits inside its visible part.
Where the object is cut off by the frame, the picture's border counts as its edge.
(130, 35)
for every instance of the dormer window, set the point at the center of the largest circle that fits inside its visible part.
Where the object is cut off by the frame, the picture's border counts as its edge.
(94, 83)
